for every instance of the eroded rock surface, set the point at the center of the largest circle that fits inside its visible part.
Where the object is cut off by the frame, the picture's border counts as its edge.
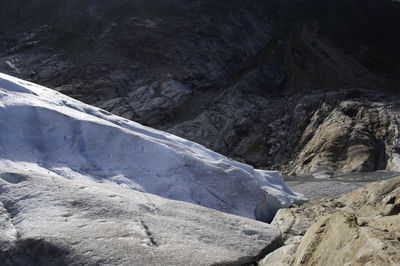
(361, 228)
(349, 135)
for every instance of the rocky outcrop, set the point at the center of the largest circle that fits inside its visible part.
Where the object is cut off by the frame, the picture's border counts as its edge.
(225, 74)
(323, 133)
(361, 228)
(356, 135)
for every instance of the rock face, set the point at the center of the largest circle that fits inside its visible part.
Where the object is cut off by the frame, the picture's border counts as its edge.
(357, 135)
(239, 77)
(361, 228)
(46, 219)
(323, 132)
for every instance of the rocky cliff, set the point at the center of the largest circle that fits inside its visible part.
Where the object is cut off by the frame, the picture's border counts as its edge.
(271, 83)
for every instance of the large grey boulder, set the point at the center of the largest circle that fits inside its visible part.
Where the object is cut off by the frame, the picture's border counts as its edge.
(46, 219)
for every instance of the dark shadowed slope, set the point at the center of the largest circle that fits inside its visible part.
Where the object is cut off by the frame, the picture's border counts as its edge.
(227, 74)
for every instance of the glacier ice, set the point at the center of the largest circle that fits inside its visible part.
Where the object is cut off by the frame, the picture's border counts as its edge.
(48, 132)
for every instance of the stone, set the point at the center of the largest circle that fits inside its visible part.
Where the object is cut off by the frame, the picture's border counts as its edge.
(294, 222)
(360, 228)
(339, 240)
(279, 257)
(323, 174)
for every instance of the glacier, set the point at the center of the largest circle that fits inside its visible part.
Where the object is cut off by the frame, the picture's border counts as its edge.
(47, 133)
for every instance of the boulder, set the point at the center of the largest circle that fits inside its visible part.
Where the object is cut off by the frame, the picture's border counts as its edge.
(360, 228)
(343, 238)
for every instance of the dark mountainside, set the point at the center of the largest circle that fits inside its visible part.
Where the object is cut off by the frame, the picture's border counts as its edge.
(300, 86)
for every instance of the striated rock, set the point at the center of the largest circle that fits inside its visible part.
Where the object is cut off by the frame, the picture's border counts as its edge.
(343, 239)
(350, 136)
(294, 222)
(361, 228)
(150, 104)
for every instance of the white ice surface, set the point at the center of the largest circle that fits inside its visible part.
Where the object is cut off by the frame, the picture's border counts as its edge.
(44, 131)
(82, 222)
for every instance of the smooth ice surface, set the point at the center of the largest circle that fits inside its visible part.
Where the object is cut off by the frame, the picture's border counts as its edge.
(47, 132)
(46, 219)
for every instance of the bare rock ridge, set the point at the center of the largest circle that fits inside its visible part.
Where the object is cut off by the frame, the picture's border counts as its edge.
(240, 77)
(361, 228)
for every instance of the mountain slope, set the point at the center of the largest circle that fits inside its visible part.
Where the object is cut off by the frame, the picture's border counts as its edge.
(223, 74)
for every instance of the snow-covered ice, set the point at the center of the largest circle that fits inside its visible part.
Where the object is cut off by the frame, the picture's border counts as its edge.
(51, 220)
(46, 132)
